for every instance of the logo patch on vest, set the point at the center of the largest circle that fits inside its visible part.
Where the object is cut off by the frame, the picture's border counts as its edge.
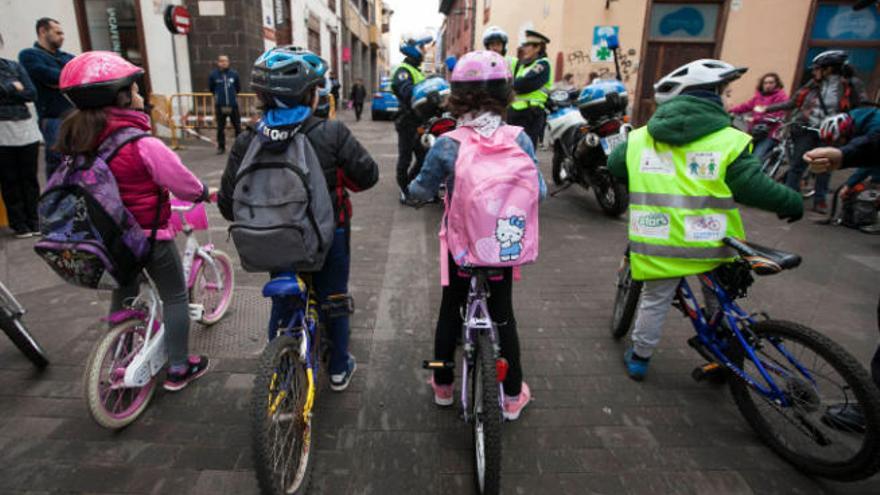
(649, 224)
(704, 228)
(653, 163)
(703, 165)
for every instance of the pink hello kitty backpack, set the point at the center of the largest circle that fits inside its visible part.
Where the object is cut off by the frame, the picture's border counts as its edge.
(492, 218)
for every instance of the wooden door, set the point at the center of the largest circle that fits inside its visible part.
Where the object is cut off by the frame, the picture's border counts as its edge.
(661, 59)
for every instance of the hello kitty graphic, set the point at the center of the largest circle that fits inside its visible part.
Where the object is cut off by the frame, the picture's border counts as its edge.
(509, 232)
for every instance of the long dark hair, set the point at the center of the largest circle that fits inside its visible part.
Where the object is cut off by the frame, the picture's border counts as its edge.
(775, 77)
(81, 128)
(478, 100)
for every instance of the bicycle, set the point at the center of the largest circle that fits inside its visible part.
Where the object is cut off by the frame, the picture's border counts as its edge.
(208, 271)
(482, 365)
(768, 377)
(285, 386)
(11, 313)
(777, 161)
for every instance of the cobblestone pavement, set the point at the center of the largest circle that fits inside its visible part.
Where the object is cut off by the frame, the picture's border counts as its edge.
(589, 430)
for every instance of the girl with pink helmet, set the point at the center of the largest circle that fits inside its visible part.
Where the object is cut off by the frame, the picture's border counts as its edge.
(481, 93)
(104, 89)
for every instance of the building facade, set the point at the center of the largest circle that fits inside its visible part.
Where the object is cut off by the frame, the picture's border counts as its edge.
(656, 36)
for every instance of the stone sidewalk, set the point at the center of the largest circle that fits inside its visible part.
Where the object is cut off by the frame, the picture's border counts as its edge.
(589, 430)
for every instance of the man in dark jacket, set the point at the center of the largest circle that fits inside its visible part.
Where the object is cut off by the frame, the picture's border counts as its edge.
(358, 95)
(225, 84)
(44, 62)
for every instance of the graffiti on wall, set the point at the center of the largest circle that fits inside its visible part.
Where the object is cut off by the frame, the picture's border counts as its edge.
(627, 58)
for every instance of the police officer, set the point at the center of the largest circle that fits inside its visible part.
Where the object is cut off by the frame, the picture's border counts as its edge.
(405, 76)
(495, 39)
(532, 83)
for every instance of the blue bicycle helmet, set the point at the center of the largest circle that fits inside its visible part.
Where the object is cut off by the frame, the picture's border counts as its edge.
(410, 45)
(282, 75)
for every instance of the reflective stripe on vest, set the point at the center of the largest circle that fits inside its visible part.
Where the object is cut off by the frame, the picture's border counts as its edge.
(538, 97)
(680, 205)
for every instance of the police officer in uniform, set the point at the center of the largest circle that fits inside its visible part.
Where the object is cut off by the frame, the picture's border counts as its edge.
(404, 78)
(532, 82)
(495, 39)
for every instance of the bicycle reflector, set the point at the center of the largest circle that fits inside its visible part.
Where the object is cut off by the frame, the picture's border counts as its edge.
(501, 367)
(442, 126)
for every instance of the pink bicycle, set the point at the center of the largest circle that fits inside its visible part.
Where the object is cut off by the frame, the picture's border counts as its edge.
(120, 374)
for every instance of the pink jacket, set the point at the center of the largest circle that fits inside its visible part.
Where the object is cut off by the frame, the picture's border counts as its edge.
(146, 170)
(762, 100)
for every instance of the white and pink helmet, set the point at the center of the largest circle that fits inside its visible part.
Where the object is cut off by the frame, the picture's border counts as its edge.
(94, 79)
(482, 69)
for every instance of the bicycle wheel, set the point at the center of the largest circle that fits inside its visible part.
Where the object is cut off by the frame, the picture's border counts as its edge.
(111, 404)
(800, 432)
(486, 418)
(626, 302)
(207, 289)
(24, 341)
(282, 435)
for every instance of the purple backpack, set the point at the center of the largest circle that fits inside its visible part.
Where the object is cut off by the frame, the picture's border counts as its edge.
(89, 237)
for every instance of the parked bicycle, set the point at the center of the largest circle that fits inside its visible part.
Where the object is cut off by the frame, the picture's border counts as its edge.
(121, 372)
(483, 372)
(11, 313)
(784, 377)
(778, 160)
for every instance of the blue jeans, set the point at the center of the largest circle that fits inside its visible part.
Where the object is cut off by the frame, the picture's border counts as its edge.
(49, 127)
(330, 280)
(762, 147)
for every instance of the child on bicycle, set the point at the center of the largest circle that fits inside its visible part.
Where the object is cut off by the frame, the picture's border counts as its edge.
(687, 169)
(481, 92)
(104, 88)
(288, 88)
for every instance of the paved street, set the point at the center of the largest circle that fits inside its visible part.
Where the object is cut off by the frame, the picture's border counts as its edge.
(589, 430)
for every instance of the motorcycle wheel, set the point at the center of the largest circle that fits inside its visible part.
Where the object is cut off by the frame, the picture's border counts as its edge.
(558, 158)
(612, 195)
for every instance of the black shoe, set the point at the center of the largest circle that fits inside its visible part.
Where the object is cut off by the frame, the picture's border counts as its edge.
(845, 417)
(196, 367)
(220, 151)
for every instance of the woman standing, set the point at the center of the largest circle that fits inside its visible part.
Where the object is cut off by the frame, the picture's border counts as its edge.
(769, 92)
(19, 148)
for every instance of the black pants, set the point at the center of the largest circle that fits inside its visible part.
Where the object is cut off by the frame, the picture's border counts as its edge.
(449, 325)
(408, 145)
(875, 361)
(19, 184)
(234, 117)
(358, 109)
(531, 120)
(804, 140)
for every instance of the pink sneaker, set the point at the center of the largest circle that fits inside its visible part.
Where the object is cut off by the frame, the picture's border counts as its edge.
(443, 394)
(513, 406)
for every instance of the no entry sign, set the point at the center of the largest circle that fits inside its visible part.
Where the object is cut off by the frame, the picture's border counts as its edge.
(178, 19)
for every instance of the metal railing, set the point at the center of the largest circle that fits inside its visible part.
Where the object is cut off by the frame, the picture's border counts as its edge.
(189, 113)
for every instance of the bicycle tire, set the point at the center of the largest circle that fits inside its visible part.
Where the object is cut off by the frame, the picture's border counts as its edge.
(487, 418)
(92, 376)
(863, 464)
(271, 481)
(228, 272)
(626, 301)
(24, 341)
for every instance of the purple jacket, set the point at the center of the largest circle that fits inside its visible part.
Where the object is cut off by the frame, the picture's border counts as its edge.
(762, 100)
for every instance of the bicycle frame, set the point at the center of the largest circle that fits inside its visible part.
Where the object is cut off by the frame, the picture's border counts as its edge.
(153, 355)
(195, 254)
(10, 303)
(711, 338)
(476, 320)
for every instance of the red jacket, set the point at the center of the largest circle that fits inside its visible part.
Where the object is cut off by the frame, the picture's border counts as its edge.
(760, 99)
(146, 170)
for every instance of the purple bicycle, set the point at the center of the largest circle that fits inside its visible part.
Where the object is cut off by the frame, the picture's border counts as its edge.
(483, 371)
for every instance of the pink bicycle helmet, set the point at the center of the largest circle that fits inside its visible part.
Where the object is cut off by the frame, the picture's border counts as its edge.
(482, 69)
(836, 127)
(94, 79)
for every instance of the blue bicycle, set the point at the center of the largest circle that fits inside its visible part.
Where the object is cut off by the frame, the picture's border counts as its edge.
(283, 396)
(786, 379)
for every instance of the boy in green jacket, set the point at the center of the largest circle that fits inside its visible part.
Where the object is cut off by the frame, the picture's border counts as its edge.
(686, 171)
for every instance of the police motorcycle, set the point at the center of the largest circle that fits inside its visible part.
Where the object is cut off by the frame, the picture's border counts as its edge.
(428, 104)
(584, 137)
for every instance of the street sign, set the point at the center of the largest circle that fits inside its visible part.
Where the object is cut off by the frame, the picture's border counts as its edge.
(178, 19)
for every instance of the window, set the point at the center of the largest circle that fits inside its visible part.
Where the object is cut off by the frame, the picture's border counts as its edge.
(684, 21)
(314, 34)
(331, 4)
(837, 26)
(487, 11)
(112, 27)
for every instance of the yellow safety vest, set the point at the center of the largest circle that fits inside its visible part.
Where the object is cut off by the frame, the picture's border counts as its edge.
(414, 72)
(680, 206)
(538, 97)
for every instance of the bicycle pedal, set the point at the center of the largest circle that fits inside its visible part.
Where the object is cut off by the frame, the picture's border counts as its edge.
(709, 371)
(196, 311)
(438, 365)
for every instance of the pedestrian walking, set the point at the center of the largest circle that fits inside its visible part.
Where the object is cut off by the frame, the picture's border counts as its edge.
(19, 148)
(357, 97)
(225, 84)
(43, 63)
(335, 87)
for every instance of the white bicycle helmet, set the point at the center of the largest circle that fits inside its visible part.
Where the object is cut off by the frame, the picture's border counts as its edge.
(494, 33)
(836, 127)
(700, 74)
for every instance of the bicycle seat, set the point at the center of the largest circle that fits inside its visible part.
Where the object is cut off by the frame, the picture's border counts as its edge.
(284, 284)
(764, 260)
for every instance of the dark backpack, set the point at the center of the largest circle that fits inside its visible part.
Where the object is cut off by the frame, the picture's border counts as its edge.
(860, 209)
(89, 237)
(283, 213)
